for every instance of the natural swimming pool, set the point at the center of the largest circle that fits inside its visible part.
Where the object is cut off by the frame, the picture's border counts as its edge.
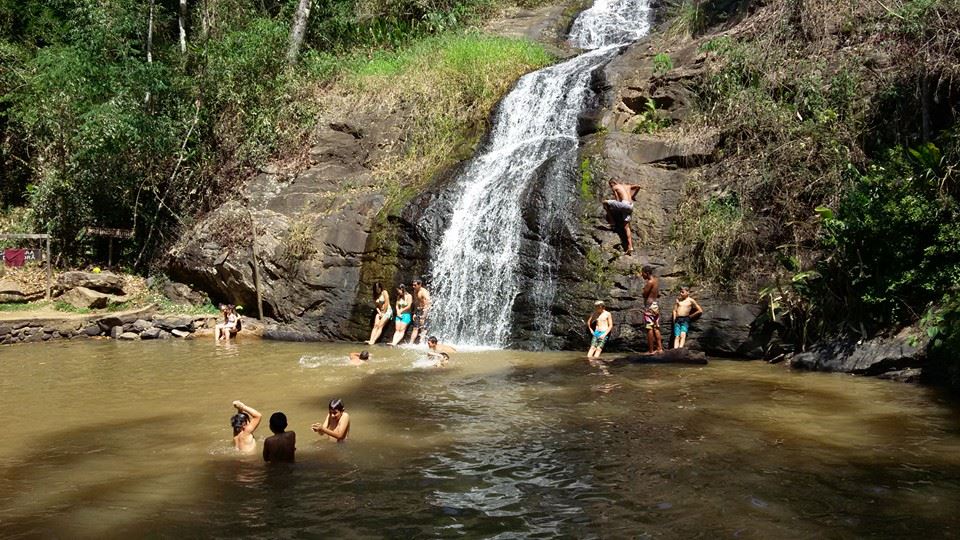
(118, 439)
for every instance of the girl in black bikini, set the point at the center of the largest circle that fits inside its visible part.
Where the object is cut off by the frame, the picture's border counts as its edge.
(384, 312)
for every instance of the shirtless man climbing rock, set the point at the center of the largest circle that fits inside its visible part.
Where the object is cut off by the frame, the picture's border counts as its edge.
(620, 209)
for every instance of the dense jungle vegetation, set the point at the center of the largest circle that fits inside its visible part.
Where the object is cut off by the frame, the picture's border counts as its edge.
(838, 169)
(142, 114)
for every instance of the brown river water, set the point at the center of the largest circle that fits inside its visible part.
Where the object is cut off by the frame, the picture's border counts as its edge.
(119, 439)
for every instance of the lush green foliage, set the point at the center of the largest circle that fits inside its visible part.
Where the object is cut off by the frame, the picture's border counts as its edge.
(92, 133)
(894, 244)
(838, 165)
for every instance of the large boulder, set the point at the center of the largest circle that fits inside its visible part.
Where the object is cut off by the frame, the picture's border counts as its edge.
(104, 282)
(873, 357)
(310, 233)
(11, 291)
(82, 297)
(181, 293)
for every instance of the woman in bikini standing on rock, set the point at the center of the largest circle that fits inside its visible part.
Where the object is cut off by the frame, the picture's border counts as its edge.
(384, 312)
(404, 304)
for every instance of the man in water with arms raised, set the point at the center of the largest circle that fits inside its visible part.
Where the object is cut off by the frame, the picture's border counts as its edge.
(620, 210)
(244, 423)
(604, 325)
(651, 310)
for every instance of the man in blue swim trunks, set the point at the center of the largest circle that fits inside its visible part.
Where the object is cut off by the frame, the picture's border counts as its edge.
(600, 332)
(684, 310)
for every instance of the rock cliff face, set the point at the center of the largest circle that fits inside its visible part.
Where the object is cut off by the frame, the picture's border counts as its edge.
(309, 229)
(324, 235)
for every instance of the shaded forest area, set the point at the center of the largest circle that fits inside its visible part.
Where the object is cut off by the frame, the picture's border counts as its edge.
(142, 114)
(835, 200)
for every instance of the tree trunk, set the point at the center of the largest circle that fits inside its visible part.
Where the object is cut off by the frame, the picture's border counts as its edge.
(146, 98)
(298, 30)
(183, 26)
(206, 17)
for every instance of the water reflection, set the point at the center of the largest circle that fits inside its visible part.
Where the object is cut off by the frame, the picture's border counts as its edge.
(134, 440)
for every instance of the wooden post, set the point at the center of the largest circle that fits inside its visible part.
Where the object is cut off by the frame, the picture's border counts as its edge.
(256, 266)
(49, 268)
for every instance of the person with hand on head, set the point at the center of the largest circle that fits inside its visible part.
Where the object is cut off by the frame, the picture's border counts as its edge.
(244, 423)
(337, 423)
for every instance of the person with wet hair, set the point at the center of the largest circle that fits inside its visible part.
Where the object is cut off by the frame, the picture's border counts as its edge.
(381, 302)
(244, 423)
(337, 423)
(438, 351)
(403, 318)
(358, 358)
(282, 445)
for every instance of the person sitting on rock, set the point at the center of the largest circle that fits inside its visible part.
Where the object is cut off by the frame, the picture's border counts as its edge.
(685, 310)
(620, 209)
(229, 324)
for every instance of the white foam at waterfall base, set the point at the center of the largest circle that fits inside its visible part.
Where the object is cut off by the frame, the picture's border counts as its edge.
(475, 268)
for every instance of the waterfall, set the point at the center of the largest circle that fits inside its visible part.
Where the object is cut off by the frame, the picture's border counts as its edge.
(530, 155)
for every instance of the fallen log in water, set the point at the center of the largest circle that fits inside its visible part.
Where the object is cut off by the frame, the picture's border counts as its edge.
(669, 356)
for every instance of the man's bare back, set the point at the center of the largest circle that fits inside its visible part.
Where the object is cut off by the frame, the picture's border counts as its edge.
(624, 192)
(280, 447)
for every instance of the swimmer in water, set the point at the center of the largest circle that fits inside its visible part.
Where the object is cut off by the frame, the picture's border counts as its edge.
(439, 352)
(244, 423)
(281, 446)
(358, 358)
(337, 423)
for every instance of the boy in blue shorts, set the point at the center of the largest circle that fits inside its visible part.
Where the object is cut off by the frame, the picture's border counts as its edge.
(684, 310)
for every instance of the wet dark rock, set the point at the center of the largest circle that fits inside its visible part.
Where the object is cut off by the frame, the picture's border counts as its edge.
(150, 333)
(104, 282)
(872, 357)
(140, 326)
(92, 330)
(669, 356)
(909, 375)
(290, 335)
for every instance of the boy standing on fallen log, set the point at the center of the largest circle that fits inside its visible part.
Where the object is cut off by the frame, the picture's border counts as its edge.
(685, 310)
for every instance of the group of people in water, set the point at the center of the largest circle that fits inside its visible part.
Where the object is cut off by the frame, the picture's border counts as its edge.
(685, 310)
(281, 447)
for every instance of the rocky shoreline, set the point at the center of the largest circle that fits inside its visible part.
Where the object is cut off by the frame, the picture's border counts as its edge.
(139, 324)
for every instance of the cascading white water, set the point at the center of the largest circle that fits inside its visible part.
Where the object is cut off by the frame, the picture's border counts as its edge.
(534, 135)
